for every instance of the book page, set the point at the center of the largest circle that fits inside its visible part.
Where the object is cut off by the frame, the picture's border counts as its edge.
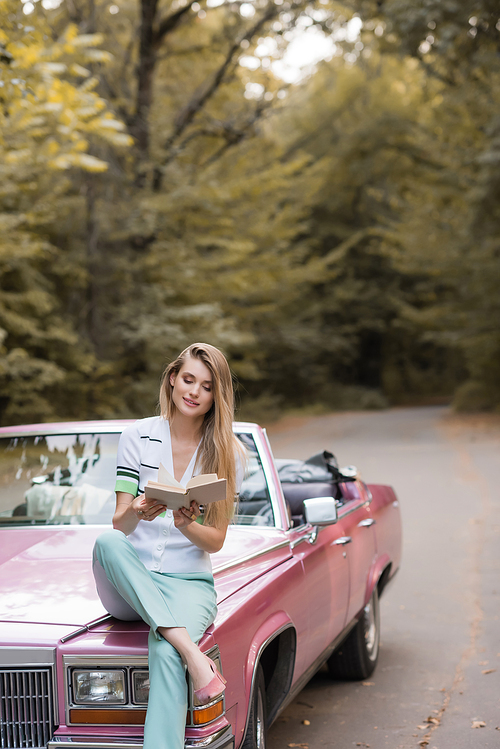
(173, 499)
(214, 491)
(164, 477)
(204, 478)
(165, 488)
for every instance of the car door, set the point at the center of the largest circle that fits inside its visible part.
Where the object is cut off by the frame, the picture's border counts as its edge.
(326, 584)
(358, 539)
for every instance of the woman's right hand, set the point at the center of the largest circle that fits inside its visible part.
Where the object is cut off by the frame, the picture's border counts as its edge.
(147, 509)
(131, 510)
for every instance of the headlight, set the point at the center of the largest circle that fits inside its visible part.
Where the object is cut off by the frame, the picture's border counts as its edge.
(90, 687)
(140, 687)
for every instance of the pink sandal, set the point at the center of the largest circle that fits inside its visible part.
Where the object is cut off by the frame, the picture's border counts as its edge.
(213, 689)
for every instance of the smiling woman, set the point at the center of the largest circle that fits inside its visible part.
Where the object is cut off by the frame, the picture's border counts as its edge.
(155, 565)
(192, 387)
(201, 375)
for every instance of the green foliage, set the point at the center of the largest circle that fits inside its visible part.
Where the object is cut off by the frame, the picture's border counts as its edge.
(49, 119)
(450, 217)
(338, 238)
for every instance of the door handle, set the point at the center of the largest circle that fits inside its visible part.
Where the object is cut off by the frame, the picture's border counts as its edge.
(313, 535)
(341, 541)
(367, 523)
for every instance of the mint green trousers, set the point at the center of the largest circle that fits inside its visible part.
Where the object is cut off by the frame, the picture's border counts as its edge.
(129, 591)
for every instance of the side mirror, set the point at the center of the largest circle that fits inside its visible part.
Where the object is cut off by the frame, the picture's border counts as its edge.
(320, 510)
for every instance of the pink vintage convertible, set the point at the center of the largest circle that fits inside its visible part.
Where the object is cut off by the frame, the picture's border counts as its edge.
(298, 584)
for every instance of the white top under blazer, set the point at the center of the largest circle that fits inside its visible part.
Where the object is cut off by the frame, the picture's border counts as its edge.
(160, 545)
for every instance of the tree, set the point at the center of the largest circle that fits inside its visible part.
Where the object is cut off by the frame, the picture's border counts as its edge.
(364, 128)
(50, 118)
(326, 235)
(457, 45)
(185, 206)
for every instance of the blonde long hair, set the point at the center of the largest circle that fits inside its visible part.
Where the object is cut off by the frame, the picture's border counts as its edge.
(219, 447)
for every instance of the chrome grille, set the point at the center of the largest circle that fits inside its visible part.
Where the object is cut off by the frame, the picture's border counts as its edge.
(26, 708)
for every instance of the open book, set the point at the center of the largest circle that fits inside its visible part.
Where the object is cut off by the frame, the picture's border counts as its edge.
(169, 492)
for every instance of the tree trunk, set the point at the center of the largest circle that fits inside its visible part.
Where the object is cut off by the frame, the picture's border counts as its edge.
(91, 307)
(145, 76)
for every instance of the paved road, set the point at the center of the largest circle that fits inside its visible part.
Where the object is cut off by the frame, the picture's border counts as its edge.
(440, 651)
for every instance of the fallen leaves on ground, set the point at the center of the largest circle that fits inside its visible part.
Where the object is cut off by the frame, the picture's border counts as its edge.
(368, 683)
(361, 743)
(423, 742)
(300, 746)
(306, 722)
(488, 670)
(478, 724)
(432, 720)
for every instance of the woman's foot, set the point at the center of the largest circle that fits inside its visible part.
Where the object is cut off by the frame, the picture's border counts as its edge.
(213, 689)
(207, 681)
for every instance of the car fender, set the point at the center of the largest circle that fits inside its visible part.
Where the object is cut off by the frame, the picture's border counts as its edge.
(267, 632)
(375, 574)
(271, 628)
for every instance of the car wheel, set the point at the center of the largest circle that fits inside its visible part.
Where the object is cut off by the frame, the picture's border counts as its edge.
(357, 656)
(255, 737)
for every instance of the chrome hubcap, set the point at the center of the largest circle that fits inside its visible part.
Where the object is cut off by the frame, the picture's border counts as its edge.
(371, 617)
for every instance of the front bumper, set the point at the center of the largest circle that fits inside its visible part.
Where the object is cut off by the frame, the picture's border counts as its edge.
(222, 739)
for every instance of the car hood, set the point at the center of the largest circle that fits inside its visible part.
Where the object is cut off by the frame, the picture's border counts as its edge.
(46, 573)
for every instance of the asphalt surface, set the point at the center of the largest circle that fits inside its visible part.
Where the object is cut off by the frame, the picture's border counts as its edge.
(440, 644)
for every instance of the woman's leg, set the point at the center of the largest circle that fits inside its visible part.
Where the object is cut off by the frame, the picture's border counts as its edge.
(131, 588)
(198, 666)
(110, 598)
(115, 555)
(162, 602)
(167, 704)
(192, 601)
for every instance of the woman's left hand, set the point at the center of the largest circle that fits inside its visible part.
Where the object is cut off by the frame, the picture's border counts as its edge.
(184, 517)
(205, 537)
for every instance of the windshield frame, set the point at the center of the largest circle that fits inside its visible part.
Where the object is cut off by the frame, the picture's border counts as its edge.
(116, 427)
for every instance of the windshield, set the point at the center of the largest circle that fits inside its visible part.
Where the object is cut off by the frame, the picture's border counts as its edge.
(62, 479)
(57, 478)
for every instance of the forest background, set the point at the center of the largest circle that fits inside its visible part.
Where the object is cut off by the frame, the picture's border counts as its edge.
(338, 237)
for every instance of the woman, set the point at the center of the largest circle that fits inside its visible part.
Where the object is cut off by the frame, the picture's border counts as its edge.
(155, 565)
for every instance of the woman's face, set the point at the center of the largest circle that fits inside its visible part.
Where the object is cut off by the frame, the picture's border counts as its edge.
(192, 388)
